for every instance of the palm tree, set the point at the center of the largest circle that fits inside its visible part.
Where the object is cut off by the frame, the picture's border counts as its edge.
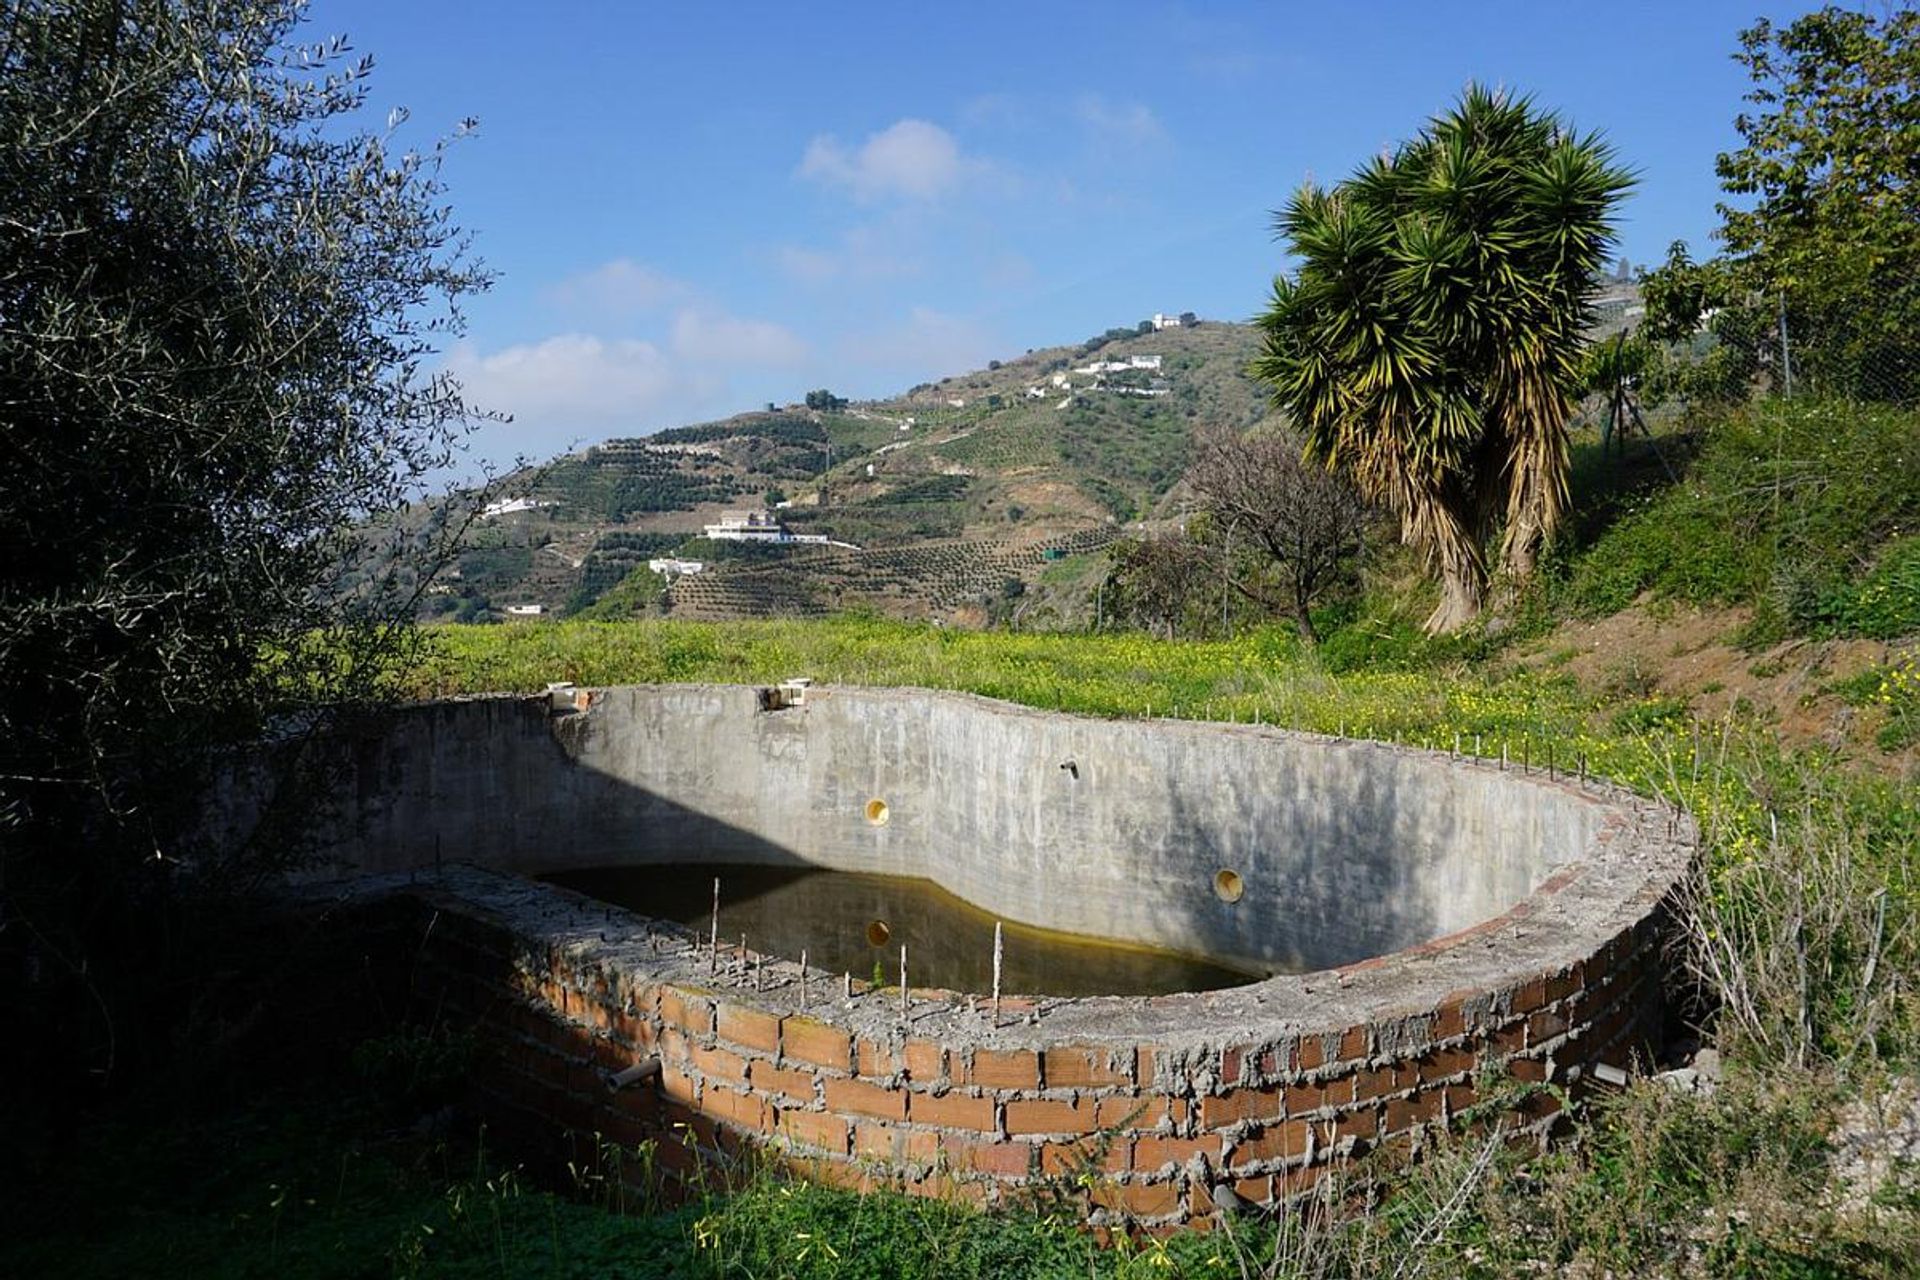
(1429, 344)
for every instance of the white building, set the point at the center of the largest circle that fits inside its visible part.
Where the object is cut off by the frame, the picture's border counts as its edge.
(674, 567)
(507, 506)
(525, 610)
(1143, 362)
(1165, 322)
(761, 526)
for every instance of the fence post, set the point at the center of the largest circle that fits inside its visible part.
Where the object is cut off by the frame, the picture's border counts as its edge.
(1786, 351)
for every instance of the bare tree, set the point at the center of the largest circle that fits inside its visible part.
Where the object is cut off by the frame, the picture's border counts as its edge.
(1306, 523)
(1155, 579)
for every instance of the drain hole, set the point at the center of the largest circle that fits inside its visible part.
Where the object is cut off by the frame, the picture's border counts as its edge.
(877, 812)
(1227, 885)
(878, 933)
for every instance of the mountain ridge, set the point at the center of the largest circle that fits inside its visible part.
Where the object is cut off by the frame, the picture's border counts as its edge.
(965, 499)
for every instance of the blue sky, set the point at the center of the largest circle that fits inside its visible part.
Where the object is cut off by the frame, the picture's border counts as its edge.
(697, 209)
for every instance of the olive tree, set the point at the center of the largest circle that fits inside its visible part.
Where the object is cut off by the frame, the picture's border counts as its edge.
(221, 302)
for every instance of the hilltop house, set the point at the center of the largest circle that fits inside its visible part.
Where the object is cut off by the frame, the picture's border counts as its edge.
(764, 526)
(1165, 322)
(755, 526)
(508, 506)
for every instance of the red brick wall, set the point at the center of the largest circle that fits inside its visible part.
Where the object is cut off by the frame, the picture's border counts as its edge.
(1160, 1126)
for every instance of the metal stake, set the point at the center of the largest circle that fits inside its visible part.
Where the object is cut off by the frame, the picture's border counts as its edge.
(998, 952)
(713, 934)
(903, 980)
(803, 979)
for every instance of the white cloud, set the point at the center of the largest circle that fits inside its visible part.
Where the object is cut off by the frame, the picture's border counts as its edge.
(1124, 124)
(619, 287)
(714, 337)
(578, 379)
(910, 158)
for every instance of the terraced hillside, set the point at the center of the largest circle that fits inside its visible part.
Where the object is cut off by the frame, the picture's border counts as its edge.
(950, 490)
(958, 580)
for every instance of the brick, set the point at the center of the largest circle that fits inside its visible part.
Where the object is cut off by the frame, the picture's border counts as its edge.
(1254, 1190)
(1405, 1113)
(1152, 1152)
(1381, 1081)
(1220, 1110)
(691, 1013)
(675, 1084)
(1080, 1068)
(1528, 1070)
(1354, 1042)
(1313, 1053)
(837, 1173)
(786, 1081)
(925, 1061)
(1097, 1154)
(1545, 1025)
(946, 1187)
(1305, 1099)
(873, 1140)
(719, 1064)
(1000, 1159)
(810, 1040)
(1138, 1199)
(1122, 1111)
(862, 1098)
(748, 1110)
(1439, 1064)
(1143, 1065)
(1049, 1115)
(1230, 1064)
(1530, 996)
(1276, 1142)
(752, 1028)
(1563, 984)
(1449, 1020)
(1004, 1069)
(953, 1111)
(1363, 1123)
(873, 1059)
(814, 1129)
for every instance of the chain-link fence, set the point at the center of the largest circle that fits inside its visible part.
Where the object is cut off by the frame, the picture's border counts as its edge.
(1764, 346)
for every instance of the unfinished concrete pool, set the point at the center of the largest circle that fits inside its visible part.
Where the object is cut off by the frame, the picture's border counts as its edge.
(1421, 920)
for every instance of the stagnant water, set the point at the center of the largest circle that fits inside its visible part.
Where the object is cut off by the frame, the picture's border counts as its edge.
(850, 922)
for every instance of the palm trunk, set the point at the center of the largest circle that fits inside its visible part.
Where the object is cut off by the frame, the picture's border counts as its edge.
(1463, 578)
(1521, 554)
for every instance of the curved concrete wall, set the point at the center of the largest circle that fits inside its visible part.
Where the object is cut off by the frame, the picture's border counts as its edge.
(1509, 922)
(1109, 828)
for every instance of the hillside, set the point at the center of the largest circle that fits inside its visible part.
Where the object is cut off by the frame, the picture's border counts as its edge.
(963, 500)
